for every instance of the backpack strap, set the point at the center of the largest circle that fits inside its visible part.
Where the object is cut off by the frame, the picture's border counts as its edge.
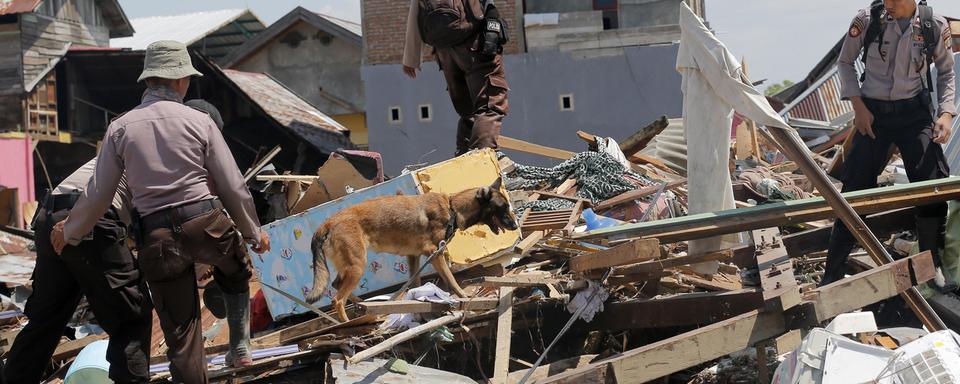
(930, 38)
(874, 33)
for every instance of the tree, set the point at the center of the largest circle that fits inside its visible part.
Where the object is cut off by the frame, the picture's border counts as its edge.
(777, 88)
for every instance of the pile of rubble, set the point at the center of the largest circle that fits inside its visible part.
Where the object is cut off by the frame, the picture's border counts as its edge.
(597, 284)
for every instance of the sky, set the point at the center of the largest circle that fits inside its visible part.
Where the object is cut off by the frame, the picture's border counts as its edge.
(780, 39)
(784, 39)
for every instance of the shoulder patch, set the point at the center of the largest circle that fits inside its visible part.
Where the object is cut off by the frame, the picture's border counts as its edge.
(859, 24)
(947, 36)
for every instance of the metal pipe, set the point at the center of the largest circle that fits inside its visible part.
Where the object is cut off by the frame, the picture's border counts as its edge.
(794, 148)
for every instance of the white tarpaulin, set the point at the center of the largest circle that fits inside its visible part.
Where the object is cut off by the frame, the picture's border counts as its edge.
(712, 90)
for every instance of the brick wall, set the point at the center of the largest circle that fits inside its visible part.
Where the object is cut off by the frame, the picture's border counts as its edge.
(385, 24)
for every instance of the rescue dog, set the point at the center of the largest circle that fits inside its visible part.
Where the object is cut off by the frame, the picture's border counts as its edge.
(410, 226)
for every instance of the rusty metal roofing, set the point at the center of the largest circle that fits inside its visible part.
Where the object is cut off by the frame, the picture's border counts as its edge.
(9, 7)
(290, 110)
(16, 259)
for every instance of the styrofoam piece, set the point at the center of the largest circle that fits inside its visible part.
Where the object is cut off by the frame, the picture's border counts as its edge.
(846, 361)
(853, 323)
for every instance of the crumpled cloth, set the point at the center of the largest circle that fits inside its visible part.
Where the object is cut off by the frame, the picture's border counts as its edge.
(428, 292)
(583, 299)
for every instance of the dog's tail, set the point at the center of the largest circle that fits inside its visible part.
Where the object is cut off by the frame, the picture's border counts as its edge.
(321, 274)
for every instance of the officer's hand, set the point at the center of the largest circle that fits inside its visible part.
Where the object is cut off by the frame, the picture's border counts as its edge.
(864, 122)
(56, 237)
(941, 129)
(411, 72)
(264, 245)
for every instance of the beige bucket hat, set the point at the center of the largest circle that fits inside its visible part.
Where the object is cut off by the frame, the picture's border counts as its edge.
(167, 59)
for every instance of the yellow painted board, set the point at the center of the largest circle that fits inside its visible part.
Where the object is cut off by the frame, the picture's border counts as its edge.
(474, 169)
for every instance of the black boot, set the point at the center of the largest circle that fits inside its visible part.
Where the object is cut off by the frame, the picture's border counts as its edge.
(930, 237)
(841, 244)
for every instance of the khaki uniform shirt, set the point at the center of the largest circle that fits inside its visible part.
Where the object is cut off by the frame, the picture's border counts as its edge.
(172, 155)
(77, 182)
(898, 70)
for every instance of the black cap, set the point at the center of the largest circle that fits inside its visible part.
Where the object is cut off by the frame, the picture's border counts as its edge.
(205, 107)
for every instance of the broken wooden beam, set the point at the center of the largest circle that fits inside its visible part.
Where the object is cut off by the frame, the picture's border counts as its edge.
(871, 286)
(522, 146)
(735, 334)
(637, 194)
(501, 365)
(783, 213)
(411, 333)
(673, 262)
(639, 140)
(512, 281)
(680, 310)
(882, 224)
(680, 352)
(630, 252)
(415, 306)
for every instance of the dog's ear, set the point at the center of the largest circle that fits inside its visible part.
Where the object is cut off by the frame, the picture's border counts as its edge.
(484, 194)
(496, 184)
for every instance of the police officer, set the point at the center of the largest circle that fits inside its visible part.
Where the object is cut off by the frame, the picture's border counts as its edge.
(473, 69)
(100, 267)
(171, 155)
(894, 106)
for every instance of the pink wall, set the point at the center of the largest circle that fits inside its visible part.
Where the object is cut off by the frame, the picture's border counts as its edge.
(16, 167)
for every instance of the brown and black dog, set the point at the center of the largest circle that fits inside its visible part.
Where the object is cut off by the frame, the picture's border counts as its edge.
(410, 226)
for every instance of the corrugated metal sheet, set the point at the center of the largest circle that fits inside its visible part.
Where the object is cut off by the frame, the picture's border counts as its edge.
(290, 110)
(9, 7)
(820, 102)
(670, 146)
(191, 28)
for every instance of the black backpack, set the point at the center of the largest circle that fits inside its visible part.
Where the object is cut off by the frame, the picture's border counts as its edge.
(927, 29)
(445, 23)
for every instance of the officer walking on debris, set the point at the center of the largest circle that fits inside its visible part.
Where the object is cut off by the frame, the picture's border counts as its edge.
(899, 41)
(171, 154)
(100, 267)
(467, 38)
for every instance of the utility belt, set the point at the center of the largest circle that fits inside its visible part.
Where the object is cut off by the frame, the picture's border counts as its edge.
(174, 217)
(110, 224)
(895, 107)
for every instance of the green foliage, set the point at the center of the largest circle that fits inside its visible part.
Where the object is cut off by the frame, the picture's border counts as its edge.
(777, 88)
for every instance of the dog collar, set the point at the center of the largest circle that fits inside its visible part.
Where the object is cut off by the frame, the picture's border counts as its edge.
(452, 225)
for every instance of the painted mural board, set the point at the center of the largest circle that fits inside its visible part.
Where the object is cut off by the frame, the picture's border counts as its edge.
(289, 264)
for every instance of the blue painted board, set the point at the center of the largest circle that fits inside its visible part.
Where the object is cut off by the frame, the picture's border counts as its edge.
(289, 264)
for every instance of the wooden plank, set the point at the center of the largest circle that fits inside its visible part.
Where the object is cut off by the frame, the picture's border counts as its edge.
(522, 146)
(639, 140)
(71, 348)
(630, 252)
(679, 310)
(637, 194)
(679, 352)
(718, 282)
(782, 213)
(526, 245)
(882, 224)
(414, 306)
(501, 365)
(707, 343)
(512, 281)
(673, 262)
(868, 287)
